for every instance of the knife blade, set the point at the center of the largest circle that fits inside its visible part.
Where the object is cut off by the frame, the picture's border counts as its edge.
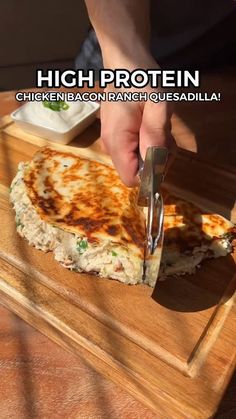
(152, 172)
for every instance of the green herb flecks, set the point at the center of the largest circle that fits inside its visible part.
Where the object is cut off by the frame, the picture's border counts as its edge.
(19, 223)
(114, 253)
(57, 105)
(230, 236)
(81, 246)
(75, 269)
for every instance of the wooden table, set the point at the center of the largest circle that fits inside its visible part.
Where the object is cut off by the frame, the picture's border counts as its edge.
(38, 378)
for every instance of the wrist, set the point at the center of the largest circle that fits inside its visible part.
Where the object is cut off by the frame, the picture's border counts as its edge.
(127, 55)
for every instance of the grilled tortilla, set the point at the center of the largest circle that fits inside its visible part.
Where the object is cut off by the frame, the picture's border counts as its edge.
(80, 210)
(191, 235)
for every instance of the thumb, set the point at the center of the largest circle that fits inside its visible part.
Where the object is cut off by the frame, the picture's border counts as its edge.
(155, 129)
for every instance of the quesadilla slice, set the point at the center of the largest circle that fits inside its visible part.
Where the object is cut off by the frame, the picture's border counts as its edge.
(190, 236)
(81, 211)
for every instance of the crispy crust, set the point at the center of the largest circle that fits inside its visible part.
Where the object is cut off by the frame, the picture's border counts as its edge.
(86, 198)
(186, 226)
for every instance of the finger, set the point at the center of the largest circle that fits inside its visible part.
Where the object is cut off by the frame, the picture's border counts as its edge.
(155, 128)
(120, 133)
(103, 146)
(123, 151)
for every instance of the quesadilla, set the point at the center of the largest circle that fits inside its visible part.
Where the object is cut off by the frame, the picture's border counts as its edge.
(81, 211)
(190, 236)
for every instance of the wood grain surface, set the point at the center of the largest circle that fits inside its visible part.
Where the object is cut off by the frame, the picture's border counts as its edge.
(211, 313)
(39, 379)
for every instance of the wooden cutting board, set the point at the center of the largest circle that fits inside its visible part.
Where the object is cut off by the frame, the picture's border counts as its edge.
(172, 348)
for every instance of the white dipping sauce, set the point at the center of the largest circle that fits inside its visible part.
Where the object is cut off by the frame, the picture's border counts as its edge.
(60, 121)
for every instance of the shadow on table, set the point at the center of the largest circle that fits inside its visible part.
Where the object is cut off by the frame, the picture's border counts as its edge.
(200, 291)
(227, 407)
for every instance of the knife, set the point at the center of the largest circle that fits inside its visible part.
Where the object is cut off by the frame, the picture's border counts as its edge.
(151, 173)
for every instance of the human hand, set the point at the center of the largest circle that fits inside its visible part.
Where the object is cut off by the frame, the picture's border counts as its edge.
(128, 128)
